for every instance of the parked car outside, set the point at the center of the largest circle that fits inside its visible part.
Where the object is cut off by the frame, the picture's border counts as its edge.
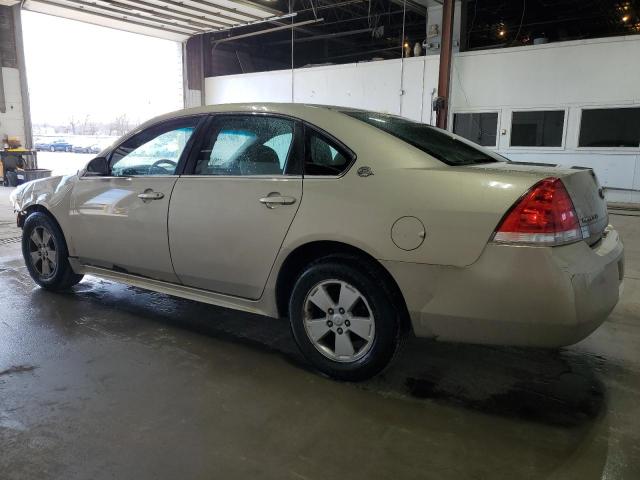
(94, 148)
(55, 146)
(360, 227)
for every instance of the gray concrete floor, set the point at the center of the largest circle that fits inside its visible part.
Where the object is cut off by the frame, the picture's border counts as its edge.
(113, 382)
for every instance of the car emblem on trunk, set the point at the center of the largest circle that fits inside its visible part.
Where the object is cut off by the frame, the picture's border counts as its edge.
(589, 218)
(365, 171)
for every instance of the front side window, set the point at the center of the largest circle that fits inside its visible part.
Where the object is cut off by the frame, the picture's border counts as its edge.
(610, 127)
(433, 141)
(480, 128)
(537, 129)
(155, 151)
(246, 145)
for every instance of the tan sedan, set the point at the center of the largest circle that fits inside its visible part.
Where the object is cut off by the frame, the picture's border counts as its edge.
(359, 227)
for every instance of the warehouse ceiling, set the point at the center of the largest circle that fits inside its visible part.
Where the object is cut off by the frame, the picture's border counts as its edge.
(325, 31)
(170, 19)
(512, 23)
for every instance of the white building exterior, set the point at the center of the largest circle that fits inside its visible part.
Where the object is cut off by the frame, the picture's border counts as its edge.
(569, 76)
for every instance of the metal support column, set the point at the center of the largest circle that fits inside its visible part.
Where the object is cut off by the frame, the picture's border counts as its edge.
(444, 78)
(22, 69)
(193, 62)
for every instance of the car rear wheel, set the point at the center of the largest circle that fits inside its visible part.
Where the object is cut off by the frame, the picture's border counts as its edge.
(52, 148)
(344, 320)
(45, 253)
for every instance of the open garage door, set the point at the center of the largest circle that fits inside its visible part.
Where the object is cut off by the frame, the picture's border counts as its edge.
(170, 19)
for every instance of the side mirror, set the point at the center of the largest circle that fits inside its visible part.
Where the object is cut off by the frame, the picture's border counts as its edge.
(98, 167)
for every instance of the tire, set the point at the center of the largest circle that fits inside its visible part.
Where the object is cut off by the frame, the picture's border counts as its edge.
(378, 321)
(52, 149)
(45, 253)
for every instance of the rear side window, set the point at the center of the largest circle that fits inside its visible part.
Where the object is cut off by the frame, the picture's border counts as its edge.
(324, 156)
(437, 143)
(246, 145)
(610, 127)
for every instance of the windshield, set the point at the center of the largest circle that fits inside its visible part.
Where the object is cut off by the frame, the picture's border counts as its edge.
(440, 144)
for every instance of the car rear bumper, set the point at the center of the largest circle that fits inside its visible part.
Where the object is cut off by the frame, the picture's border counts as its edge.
(516, 295)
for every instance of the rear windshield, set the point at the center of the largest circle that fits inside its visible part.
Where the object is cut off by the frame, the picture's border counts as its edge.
(437, 143)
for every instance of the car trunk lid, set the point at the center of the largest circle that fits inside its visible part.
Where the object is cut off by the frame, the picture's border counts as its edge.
(581, 184)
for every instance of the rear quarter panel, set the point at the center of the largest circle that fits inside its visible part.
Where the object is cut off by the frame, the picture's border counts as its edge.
(460, 207)
(459, 210)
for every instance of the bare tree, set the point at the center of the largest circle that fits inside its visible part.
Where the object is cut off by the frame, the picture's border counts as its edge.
(73, 125)
(88, 127)
(120, 125)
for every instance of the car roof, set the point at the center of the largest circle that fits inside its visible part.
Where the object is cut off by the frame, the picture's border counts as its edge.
(309, 112)
(293, 109)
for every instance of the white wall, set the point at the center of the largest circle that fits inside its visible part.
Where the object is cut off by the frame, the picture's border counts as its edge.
(371, 85)
(566, 75)
(12, 121)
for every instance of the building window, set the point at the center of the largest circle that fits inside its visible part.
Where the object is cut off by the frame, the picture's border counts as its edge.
(480, 128)
(537, 129)
(610, 127)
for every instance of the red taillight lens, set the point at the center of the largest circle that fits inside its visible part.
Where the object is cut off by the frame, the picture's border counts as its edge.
(544, 216)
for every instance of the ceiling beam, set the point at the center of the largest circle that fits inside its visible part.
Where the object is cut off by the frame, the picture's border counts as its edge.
(268, 30)
(120, 18)
(200, 17)
(222, 8)
(172, 21)
(192, 8)
(259, 6)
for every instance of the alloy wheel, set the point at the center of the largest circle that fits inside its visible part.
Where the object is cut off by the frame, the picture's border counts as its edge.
(338, 321)
(43, 251)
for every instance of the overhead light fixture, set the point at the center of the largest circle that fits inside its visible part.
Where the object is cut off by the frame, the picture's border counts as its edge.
(502, 33)
(625, 18)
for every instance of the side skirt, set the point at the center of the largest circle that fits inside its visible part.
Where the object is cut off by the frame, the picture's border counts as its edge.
(181, 291)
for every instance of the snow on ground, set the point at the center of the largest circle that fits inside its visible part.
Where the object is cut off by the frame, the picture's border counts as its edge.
(63, 163)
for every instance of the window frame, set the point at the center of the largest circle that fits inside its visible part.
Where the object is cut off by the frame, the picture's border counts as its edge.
(186, 152)
(565, 123)
(291, 170)
(612, 150)
(350, 154)
(476, 111)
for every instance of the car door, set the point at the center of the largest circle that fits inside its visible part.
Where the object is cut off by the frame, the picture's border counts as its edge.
(119, 221)
(231, 210)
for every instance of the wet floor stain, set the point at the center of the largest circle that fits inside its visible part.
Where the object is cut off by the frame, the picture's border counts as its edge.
(568, 400)
(17, 369)
(548, 387)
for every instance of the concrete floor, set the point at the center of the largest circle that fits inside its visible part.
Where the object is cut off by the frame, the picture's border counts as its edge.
(112, 382)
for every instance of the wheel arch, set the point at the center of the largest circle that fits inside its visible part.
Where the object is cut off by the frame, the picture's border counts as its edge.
(38, 207)
(303, 255)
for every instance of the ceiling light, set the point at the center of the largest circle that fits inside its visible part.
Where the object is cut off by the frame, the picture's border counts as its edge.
(625, 18)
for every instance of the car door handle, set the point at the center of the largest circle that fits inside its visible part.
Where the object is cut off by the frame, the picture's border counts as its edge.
(275, 198)
(150, 195)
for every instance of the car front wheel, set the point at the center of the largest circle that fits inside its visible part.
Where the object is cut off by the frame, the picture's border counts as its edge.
(45, 253)
(343, 319)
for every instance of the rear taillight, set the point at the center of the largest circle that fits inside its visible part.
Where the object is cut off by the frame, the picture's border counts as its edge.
(543, 216)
